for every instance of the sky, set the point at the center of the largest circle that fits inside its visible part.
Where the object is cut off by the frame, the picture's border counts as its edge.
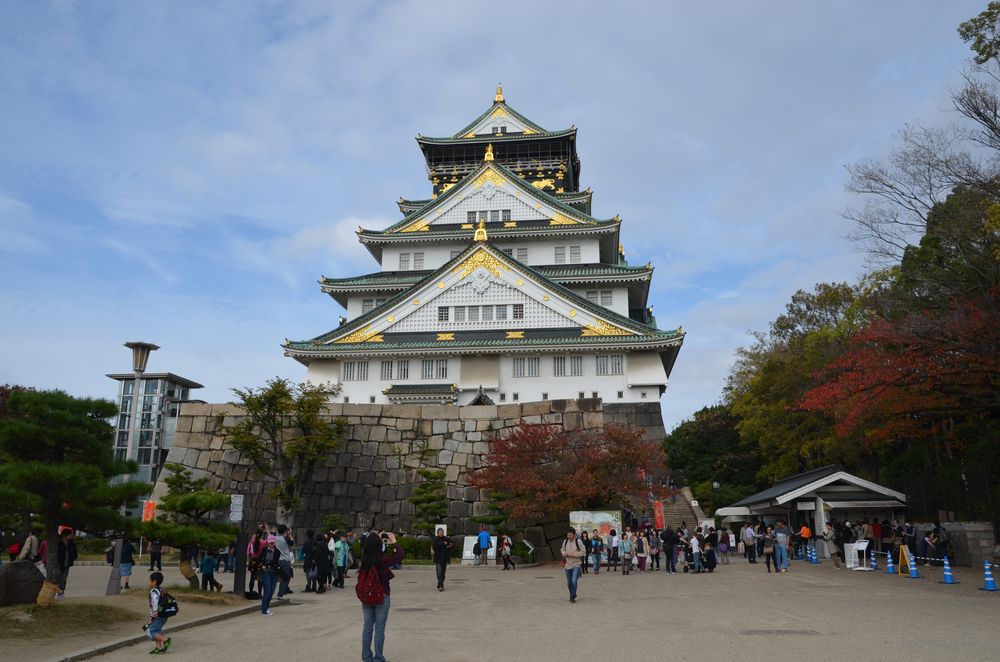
(184, 172)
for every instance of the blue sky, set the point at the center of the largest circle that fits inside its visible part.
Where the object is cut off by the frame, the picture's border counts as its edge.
(184, 172)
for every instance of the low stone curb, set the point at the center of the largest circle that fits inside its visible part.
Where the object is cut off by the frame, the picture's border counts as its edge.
(131, 641)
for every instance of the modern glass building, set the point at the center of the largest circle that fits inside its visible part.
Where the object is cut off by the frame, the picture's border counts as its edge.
(147, 417)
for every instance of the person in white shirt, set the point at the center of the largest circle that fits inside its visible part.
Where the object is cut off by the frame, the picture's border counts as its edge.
(612, 546)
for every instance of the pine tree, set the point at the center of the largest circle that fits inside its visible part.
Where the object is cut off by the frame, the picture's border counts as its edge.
(56, 462)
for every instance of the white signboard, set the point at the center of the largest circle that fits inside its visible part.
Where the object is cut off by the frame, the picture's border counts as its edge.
(236, 508)
(859, 555)
(468, 558)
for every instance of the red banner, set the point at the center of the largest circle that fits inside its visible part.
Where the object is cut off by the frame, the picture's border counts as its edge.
(148, 510)
(658, 514)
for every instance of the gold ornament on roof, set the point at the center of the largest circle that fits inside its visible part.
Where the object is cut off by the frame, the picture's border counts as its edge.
(489, 175)
(515, 335)
(602, 328)
(364, 334)
(559, 219)
(418, 226)
(489, 153)
(481, 259)
(480, 234)
(499, 97)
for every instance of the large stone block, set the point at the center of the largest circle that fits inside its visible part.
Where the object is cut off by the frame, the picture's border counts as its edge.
(439, 427)
(590, 404)
(460, 458)
(478, 411)
(533, 419)
(378, 433)
(593, 419)
(474, 462)
(470, 425)
(564, 405)
(536, 408)
(451, 473)
(194, 409)
(459, 509)
(20, 583)
(572, 422)
(509, 411)
(439, 412)
(455, 426)
(455, 492)
(393, 436)
(451, 444)
(405, 424)
(445, 457)
(483, 426)
(369, 448)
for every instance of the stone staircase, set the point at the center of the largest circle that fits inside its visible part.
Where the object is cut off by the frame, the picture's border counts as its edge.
(681, 511)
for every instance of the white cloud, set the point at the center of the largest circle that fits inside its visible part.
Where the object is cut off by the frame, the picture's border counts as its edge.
(19, 229)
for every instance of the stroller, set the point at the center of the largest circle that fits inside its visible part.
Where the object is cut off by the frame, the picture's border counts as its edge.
(688, 559)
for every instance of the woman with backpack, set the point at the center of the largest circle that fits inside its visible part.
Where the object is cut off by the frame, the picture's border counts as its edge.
(373, 591)
(767, 542)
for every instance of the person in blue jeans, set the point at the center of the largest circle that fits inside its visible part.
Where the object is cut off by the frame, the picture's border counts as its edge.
(269, 559)
(154, 626)
(375, 616)
(781, 538)
(572, 551)
(597, 548)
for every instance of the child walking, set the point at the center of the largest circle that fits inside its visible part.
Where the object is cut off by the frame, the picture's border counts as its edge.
(209, 564)
(154, 627)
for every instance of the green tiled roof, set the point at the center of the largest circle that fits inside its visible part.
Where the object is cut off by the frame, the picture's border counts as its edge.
(517, 180)
(649, 333)
(495, 138)
(407, 278)
(420, 204)
(659, 337)
(420, 389)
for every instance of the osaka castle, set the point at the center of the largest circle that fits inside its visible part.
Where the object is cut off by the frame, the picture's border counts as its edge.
(500, 287)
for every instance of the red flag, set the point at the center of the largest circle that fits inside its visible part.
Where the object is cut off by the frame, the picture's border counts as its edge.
(658, 514)
(148, 510)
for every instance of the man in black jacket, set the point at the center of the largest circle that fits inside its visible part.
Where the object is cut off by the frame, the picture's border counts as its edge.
(669, 539)
(309, 549)
(441, 547)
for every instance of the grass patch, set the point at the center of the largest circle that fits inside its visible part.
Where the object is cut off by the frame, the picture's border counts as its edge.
(185, 593)
(34, 622)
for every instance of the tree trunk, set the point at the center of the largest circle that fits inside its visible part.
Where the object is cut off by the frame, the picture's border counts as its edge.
(53, 572)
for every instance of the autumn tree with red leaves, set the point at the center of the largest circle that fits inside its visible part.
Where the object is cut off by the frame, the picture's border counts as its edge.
(540, 470)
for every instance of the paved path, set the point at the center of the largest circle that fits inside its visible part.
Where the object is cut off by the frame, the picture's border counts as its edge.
(739, 612)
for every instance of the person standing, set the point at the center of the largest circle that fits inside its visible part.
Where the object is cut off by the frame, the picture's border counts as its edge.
(627, 547)
(342, 557)
(782, 540)
(255, 548)
(768, 540)
(155, 550)
(485, 542)
(441, 551)
(695, 544)
(750, 544)
(596, 550)
(375, 616)
(284, 542)
(324, 562)
(613, 549)
(67, 556)
(669, 540)
(831, 539)
(641, 551)
(268, 564)
(126, 562)
(585, 561)
(653, 536)
(572, 551)
(309, 551)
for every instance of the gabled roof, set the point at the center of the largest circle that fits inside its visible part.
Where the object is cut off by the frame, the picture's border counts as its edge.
(490, 137)
(409, 206)
(490, 171)
(791, 488)
(369, 328)
(500, 104)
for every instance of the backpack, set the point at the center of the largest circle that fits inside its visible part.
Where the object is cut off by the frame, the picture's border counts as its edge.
(369, 587)
(168, 605)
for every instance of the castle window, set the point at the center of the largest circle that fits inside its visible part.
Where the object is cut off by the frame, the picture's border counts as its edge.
(501, 312)
(473, 313)
(526, 366)
(495, 216)
(503, 397)
(545, 396)
(593, 296)
(455, 254)
(515, 397)
(427, 369)
(418, 260)
(442, 313)
(560, 255)
(403, 369)
(487, 313)
(508, 251)
(371, 399)
(522, 254)
(518, 311)
(574, 254)
(621, 394)
(470, 217)
(605, 298)
(595, 394)
(459, 313)
(611, 364)
(386, 369)
(505, 215)
(642, 394)
(404, 261)
(576, 366)
(559, 366)
(347, 399)
(441, 368)
(354, 371)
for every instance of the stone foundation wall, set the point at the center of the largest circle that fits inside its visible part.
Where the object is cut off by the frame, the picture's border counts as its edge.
(973, 541)
(368, 478)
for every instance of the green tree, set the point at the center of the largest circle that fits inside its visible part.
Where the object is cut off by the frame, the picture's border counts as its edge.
(285, 433)
(187, 516)
(707, 450)
(429, 499)
(983, 31)
(58, 461)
